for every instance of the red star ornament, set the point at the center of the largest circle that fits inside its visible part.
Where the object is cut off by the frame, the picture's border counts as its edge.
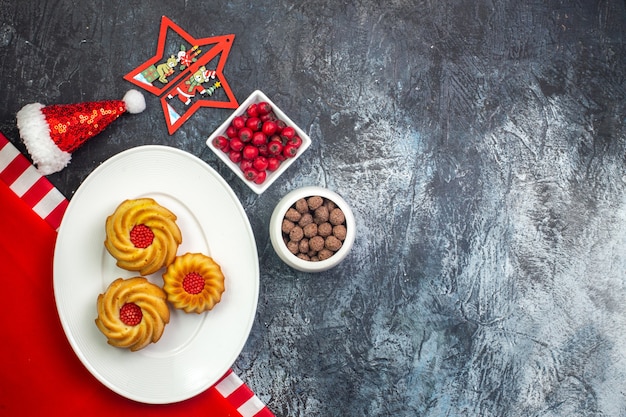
(186, 76)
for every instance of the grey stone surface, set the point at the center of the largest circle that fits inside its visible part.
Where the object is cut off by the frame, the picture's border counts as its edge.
(482, 147)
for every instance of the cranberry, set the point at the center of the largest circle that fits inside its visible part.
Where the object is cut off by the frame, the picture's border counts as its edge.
(245, 164)
(254, 123)
(264, 107)
(263, 150)
(288, 132)
(231, 132)
(252, 110)
(250, 174)
(220, 142)
(236, 144)
(289, 150)
(272, 163)
(277, 138)
(245, 134)
(275, 147)
(235, 156)
(238, 122)
(250, 152)
(260, 163)
(259, 138)
(296, 141)
(260, 177)
(269, 128)
(281, 125)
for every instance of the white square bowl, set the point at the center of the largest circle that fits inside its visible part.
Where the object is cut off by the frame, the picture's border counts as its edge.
(257, 97)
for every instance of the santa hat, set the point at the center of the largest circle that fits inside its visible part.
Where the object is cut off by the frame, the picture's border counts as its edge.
(52, 133)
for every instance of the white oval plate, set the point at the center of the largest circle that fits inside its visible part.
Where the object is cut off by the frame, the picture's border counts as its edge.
(195, 349)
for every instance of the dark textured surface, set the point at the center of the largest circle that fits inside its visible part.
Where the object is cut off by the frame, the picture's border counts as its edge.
(482, 147)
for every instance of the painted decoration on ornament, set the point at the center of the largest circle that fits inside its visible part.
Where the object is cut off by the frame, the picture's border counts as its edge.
(186, 73)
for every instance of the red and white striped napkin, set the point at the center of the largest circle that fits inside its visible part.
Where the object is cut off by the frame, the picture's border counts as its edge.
(241, 397)
(36, 191)
(41, 375)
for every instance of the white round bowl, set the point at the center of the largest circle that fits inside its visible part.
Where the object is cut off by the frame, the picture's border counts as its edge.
(276, 236)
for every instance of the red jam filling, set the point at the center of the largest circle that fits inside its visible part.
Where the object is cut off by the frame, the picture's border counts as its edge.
(141, 236)
(193, 283)
(131, 314)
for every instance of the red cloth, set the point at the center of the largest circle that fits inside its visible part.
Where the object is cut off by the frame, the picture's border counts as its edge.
(39, 371)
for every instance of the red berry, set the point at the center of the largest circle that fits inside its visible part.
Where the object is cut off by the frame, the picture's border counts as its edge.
(274, 147)
(259, 138)
(231, 132)
(226, 148)
(220, 142)
(281, 125)
(236, 144)
(277, 138)
(288, 132)
(260, 163)
(264, 107)
(235, 156)
(265, 117)
(296, 141)
(250, 174)
(254, 123)
(141, 236)
(245, 164)
(263, 150)
(252, 110)
(193, 283)
(260, 177)
(245, 134)
(131, 314)
(250, 152)
(272, 164)
(290, 150)
(238, 122)
(269, 128)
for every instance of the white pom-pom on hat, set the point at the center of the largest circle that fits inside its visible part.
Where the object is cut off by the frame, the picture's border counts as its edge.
(135, 101)
(51, 133)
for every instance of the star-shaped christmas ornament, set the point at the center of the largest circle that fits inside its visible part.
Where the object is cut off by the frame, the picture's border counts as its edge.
(187, 74)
